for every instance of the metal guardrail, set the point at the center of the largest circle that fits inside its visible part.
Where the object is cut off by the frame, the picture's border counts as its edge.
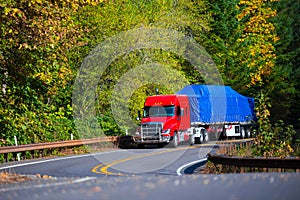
(52, 145)
(255, 163)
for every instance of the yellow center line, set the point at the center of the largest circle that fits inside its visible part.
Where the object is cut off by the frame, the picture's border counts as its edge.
(103, 168)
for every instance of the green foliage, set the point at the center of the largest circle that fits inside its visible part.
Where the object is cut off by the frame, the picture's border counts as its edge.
(222, 45)
(35, 73)
(108, 125)
(288, 48)
(276, 142)
(296, 146)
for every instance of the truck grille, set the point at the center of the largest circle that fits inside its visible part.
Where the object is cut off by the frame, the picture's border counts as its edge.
(151, 131)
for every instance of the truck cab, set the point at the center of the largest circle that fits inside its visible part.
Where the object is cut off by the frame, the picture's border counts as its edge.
(166, 119)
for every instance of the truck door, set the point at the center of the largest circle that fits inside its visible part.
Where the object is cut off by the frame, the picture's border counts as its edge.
(181, 116)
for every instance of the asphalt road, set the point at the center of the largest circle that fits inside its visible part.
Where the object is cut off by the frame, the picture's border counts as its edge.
(141, 174)
(120, 162)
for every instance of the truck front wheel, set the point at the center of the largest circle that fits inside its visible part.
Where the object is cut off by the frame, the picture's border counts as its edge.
(174, 141)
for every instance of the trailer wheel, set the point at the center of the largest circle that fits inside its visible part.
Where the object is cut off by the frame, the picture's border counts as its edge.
(248, 132)
(192, 140)
(197, 140)
(204, 135)
(201, 138)
(243, 134)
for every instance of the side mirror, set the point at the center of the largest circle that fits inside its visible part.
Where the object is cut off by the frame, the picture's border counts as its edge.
(178, 111)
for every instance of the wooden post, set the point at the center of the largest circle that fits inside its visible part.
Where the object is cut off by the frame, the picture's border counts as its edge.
(23, 155)
(6, 157)
(32, 154)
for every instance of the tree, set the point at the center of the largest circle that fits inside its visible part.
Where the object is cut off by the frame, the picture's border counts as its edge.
(35, 73)
(288, 27)
(222, 44)
(258, 40)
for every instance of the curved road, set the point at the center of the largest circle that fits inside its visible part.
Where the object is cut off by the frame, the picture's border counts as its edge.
(120, 162)
(141, 174)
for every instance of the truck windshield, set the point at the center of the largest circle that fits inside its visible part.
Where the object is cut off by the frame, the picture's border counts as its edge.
(159, 111)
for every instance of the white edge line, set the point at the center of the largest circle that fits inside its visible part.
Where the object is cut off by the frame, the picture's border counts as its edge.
(189, 164)
(49, 184)
(56, 159)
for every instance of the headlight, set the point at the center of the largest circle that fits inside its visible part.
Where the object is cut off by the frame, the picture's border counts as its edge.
(167, 131)
(138, 131)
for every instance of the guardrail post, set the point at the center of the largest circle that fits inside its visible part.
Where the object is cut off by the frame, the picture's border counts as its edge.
(242, 169)
(32, 154)
(23, 155)
(16, 143)
(50, 151)
(14, 156)
(6, 157)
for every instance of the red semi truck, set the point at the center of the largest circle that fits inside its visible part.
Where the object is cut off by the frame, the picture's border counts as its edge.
(195, 114)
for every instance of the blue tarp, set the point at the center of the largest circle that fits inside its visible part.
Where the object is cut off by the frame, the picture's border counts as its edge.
(218, 104)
